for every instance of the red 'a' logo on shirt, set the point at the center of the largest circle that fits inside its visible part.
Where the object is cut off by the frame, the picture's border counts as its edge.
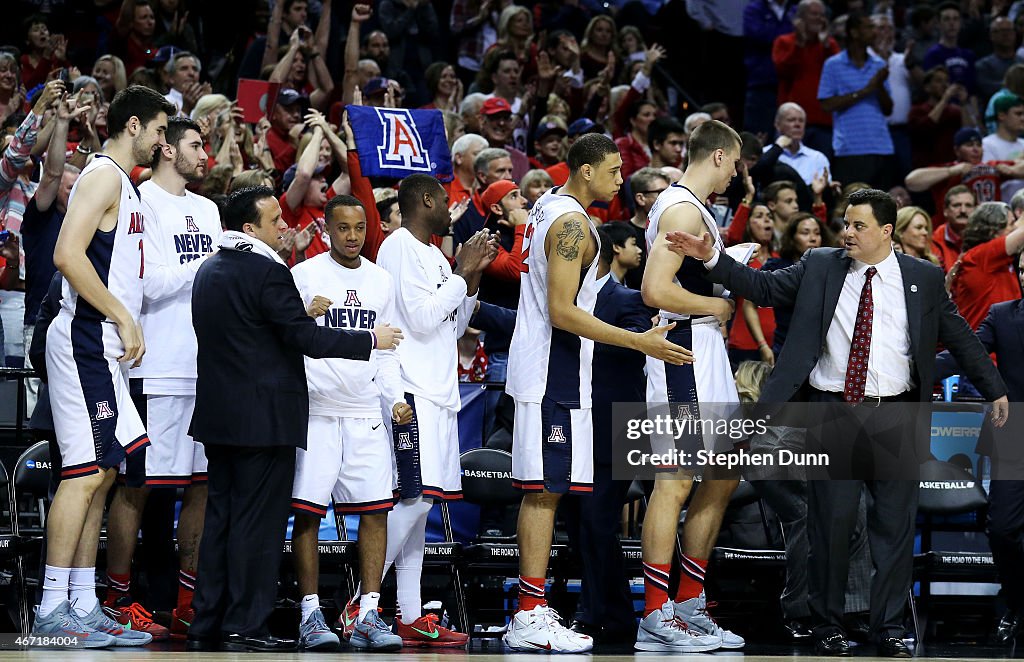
(135, 223)
(351, 299)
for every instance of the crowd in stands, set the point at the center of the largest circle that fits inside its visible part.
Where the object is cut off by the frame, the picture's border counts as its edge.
(925, 100)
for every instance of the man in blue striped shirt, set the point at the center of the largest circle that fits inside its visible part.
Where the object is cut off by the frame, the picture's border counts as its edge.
(853, 88)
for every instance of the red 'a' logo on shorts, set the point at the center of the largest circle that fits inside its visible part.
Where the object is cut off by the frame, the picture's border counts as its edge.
(556, 436)
(103, 410)
(351, 299)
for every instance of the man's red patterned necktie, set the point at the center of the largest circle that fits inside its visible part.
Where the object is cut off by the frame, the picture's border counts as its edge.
(860, 348)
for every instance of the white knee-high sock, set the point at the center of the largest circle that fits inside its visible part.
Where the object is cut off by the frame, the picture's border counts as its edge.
(402, 520)
(408, 572)
(407, 526)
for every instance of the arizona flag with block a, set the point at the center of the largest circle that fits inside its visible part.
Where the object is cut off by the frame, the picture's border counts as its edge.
(398, 142)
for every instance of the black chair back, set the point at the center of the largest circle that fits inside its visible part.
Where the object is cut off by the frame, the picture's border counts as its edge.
(487, 477)
(32, 474)
(946, 489)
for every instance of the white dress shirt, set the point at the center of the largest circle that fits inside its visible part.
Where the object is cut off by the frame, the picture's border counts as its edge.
(889, 359)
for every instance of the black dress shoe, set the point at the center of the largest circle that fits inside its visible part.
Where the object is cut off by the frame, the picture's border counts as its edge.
(797, 630)
(833, 644)
(1009, 626)
(238, 642)
(893, 647)
(201, 644)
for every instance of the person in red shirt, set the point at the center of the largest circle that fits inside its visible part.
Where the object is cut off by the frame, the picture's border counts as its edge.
(633, 146)
(306, 194)
(935, 121)
(799, 57)
(946, 239)
(281, 138)
(983, 179)
(749, 341)
(549, 142)
(985, 275)
(45, 51)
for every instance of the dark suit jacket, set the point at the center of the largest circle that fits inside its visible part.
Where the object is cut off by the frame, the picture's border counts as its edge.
(253, 331)
(812, 287)
(1002, 333)
(617, 372)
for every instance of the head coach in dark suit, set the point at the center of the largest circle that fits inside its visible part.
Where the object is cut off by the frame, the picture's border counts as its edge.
(1002, 333)
(866, 324)
(251, 413)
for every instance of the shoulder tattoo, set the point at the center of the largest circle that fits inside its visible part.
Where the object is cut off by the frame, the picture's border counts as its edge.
(569, 238)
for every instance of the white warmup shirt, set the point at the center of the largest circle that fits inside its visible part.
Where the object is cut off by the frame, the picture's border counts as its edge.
(361, 299)
(432, 310)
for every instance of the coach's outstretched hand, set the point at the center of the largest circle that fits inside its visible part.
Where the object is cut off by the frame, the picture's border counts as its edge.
(388, 336)
(688, 245)
(653, 343)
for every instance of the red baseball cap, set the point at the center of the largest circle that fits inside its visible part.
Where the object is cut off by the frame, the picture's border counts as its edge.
(494, 193)
(495, 105)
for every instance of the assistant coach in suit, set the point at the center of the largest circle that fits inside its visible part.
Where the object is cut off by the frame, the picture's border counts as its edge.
(1002, 333)
(251, 413)
(871, 319)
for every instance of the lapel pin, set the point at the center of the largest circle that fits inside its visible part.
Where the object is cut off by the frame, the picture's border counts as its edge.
(913, 288)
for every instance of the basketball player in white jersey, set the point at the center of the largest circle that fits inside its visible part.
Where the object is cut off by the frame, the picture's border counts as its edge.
(549, 375)
(677, 287)
(181, 228)
(90, 345)
(348, 455)
(433, 305)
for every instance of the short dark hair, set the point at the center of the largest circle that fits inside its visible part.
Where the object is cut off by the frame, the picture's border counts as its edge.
(177, 127)
(384, 206)
(590, 149)
(411, 192)
(713, 107)
(658, 130)
(708, 137)
(771, 192)
(920, 14)
(933, 72)
(33, 19)
(947, 6)
(288, 4)
(341, 201)
(959, 189)
(136, 101)
(613, 234)
(241, 206)
(883, 207)
(554, 37)
(751, 146)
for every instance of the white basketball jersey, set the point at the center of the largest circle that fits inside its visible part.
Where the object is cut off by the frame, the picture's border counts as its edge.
(545, 362)
(115, 254)
(691, 274)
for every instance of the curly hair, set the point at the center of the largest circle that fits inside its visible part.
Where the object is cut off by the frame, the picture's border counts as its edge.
(986, 223)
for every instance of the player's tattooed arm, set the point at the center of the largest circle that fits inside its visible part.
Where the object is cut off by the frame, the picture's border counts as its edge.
(569, 239)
